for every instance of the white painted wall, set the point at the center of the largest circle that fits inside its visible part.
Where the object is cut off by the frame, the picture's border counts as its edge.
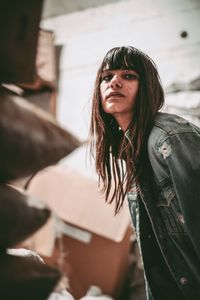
(154, 26)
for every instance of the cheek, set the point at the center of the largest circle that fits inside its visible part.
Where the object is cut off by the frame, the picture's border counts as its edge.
(133, 91)
(104, 104)
(102, 91)
(103, 96)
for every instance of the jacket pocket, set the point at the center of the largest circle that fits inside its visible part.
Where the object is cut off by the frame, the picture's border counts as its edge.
(169, 208)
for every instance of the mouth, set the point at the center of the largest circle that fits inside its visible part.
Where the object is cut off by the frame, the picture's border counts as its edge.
(114, 94)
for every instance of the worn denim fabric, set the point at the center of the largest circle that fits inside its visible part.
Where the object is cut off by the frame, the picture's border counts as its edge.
(165, 207)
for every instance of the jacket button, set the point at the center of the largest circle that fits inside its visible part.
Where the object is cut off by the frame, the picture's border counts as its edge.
(183, 280)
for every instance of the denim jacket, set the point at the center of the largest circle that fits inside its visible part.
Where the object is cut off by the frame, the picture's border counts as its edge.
(165, 207)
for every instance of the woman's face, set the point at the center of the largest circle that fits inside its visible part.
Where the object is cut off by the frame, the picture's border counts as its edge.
(118, 90)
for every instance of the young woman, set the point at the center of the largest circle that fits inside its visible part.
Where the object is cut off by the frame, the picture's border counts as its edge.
(152, 158)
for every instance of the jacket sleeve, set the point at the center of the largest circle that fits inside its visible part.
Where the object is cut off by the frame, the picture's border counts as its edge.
(180, 154)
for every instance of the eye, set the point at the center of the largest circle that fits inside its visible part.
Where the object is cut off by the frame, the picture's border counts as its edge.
(106, 77)
(131, 76)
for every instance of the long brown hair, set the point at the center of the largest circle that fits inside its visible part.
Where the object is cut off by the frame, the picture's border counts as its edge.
(121, 159)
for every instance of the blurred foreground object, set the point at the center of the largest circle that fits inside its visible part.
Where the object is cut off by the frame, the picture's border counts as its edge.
(24, 277)
(95, 293)
(64, 295)
(19, 25)
(15, 208)
(30, 139)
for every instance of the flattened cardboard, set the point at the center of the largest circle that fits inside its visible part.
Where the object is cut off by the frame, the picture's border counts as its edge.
(77, 200)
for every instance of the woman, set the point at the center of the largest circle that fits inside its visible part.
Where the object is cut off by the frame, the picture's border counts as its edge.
(153, 158)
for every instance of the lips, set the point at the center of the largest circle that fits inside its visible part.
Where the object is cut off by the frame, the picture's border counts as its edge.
(114, 94)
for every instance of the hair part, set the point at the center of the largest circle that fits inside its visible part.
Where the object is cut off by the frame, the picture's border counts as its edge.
(111, 147)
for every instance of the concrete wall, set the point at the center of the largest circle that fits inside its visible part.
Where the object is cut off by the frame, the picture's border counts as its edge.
(154, 26)
(52, 8)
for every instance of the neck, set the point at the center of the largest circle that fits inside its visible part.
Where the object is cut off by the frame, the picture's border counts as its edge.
(123, 121)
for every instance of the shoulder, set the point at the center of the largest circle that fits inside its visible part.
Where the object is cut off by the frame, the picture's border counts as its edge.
(170, 123)
(167, 125)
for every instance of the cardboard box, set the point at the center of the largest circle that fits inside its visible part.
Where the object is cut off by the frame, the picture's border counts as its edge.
(95, 243)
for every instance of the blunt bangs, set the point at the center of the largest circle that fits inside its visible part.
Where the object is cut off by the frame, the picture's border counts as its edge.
(122, 58)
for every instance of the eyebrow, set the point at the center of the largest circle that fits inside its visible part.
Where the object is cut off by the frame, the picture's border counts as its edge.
(122, 70)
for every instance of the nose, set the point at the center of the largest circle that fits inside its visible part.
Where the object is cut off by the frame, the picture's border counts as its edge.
(115, 82)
